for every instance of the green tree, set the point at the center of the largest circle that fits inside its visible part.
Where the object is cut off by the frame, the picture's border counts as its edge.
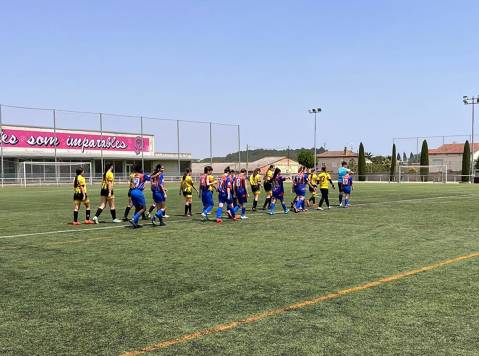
(466, 162)
(392, 172)
(404, 157)
(424, 171)
(306, 158)
(361, 164)
(412, 158)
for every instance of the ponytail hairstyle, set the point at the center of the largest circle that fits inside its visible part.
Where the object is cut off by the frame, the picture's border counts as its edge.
(79, 171)
(157, 168)
(107, 168)
(277, 171)
(187, 171)
(255, 172)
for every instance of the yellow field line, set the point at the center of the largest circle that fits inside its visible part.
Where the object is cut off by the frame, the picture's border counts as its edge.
(257, 317)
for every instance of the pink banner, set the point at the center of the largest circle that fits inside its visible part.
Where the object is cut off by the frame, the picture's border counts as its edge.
(31, 138)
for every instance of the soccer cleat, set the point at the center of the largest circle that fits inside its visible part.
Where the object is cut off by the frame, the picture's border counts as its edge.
(125, 219)
(219, 221)
(166, 216)
(76, 223)
(205, 216)
(286, 211)
(135, 225)
(161, 223)
(243, 217)
(116, 221)
(319, 208)
(329, 207)
(89, 222)
(147, 214)
(236, 218)
(95, 220)
(229, 214)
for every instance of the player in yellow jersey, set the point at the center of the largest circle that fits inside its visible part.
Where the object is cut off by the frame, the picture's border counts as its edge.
(186, 188)
(313, 186)
(268, 186)
(107, 195)
(255, 182)
(130, 203)
(324, 180)
(207, 186)
(80, 197)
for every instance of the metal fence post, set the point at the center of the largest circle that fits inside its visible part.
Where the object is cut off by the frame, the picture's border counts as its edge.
(239, 148)
(142, 145)
(211, 144)
(101, 151)
(55, 149)
(1, 144)
(178, 146)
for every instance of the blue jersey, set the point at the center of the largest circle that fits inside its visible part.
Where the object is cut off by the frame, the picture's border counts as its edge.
(347, 180)
(139, 180)
(224, 183)
(278, 187)
(240, 186)
(157, 183)
(341, 173)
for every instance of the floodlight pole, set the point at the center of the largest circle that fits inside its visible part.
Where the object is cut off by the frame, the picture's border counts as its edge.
(471, 101)
(315, 112)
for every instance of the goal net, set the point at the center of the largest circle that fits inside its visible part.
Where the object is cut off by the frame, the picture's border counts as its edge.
(422, 174)
(43, 173)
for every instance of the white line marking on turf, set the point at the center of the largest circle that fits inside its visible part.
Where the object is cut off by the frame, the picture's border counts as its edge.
(185, 221)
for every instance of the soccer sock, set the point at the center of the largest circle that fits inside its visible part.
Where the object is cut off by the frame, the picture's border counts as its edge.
(186, 209)
(136, 217)
(340, 198)
(189, 208)
(298, 204)
(143, 215)
(151, 209)
(302, 204)
(88, 212)
(98, 212)
(75, 216)
(272, 206)
(219, 212)
(284, 206)
(327, 201)
(269, 202)
(208, 209)
(235, 209)
(346, 202)
(243, 211)
(127, 211)
(113, 213)
(255, 203)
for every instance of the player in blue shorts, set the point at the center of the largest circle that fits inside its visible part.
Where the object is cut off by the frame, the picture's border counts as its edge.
(137, 196)
(225, 196)
(159, 194)
(241, 193)
(300, 182)
(342, 171)
(347, 188)
(277, 187)
(207, 185)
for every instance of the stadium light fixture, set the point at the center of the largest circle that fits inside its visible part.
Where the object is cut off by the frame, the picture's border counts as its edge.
(315, 111)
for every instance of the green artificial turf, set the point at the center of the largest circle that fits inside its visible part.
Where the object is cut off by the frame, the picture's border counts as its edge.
(106, 289)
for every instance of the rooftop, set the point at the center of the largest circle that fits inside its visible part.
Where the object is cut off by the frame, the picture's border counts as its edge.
(451, 148)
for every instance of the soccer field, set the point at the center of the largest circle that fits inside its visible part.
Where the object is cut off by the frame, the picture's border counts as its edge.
(309, 283)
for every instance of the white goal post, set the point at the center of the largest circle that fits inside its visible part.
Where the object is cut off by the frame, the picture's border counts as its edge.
(422, 174)
(44, 173)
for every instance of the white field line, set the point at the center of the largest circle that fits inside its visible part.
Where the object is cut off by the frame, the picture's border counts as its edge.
(185, 221)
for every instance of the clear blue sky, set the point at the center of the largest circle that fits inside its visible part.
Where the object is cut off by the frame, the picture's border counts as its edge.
(379, 69)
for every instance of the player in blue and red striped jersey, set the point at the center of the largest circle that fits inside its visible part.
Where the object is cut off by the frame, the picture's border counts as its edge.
(159, 193)
(300, 183)
(225, 196)
(137, 196)
(347, 188)
(277, 181)
(241, 193)
(207, 185)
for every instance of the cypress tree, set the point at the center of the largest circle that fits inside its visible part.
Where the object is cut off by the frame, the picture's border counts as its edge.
(424, 171)
(392, 172)
(361, 164)
(466, 162)
(404, 157)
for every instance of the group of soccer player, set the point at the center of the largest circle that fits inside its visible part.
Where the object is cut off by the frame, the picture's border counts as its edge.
(231, 188)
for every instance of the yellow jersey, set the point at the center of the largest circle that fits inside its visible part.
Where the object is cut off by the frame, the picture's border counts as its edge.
(324, 179)
(269, 175)
(313, 179)
(132, 180)
(108, 178)
(211, 182)
(80, 182)
(255, 180)
(187, 184)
